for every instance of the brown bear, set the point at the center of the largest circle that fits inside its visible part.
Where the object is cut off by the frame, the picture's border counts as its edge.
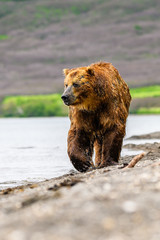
(98, 100)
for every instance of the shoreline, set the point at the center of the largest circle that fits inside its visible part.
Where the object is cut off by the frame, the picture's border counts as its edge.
(112, 202)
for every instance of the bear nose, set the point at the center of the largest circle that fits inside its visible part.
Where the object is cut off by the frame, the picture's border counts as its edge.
(64, 97)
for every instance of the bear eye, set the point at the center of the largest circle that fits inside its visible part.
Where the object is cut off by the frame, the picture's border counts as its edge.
(75, 85)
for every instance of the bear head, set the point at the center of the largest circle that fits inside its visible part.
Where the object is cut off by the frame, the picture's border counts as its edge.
(80, 88)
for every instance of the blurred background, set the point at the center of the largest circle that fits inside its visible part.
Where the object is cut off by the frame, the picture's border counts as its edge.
(39, 38)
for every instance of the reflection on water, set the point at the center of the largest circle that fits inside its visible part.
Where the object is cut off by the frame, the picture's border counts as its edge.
(35, 149)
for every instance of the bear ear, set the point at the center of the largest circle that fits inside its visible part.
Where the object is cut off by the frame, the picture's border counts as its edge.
(90, 71)
(66, 71)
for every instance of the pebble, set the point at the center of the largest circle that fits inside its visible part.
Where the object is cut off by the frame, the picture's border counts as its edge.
(129, 206)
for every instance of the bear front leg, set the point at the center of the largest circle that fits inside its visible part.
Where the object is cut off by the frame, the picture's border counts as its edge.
(98, 152)
(80, 149)
(111, 148)
(117, 146)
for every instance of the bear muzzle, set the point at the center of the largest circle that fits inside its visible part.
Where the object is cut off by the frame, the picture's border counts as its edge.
(68, 97)
(65, 99)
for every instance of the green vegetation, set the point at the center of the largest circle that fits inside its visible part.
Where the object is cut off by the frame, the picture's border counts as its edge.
(33, 106)
(138, 29)
(52, 105)
(143, 92)
(5, 10)
(81, 8)
(144, 110)
(47, 14)
(41, 14)
(14, 0)
(3, 37)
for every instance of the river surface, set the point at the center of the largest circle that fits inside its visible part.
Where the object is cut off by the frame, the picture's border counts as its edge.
(35, 149)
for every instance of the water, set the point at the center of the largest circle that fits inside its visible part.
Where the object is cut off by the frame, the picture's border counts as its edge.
(35, 149)
(32, 150)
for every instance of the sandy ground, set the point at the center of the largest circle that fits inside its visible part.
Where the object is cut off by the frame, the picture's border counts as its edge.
(112, 203)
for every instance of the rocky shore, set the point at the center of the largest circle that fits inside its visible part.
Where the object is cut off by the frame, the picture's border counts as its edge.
(113, 203)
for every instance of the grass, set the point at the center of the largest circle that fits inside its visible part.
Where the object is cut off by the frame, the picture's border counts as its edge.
(138, 29)
(33, 106)
(153, 110)
(143, 92)
(3, 37)
(52, 105)
(48, 14)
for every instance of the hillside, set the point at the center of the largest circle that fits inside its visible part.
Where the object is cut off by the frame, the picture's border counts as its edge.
(39, 38)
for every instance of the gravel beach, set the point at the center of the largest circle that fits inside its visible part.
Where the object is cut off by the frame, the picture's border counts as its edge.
(113, 203)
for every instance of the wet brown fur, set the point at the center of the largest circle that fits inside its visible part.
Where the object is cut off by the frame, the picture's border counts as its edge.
(98, 111)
